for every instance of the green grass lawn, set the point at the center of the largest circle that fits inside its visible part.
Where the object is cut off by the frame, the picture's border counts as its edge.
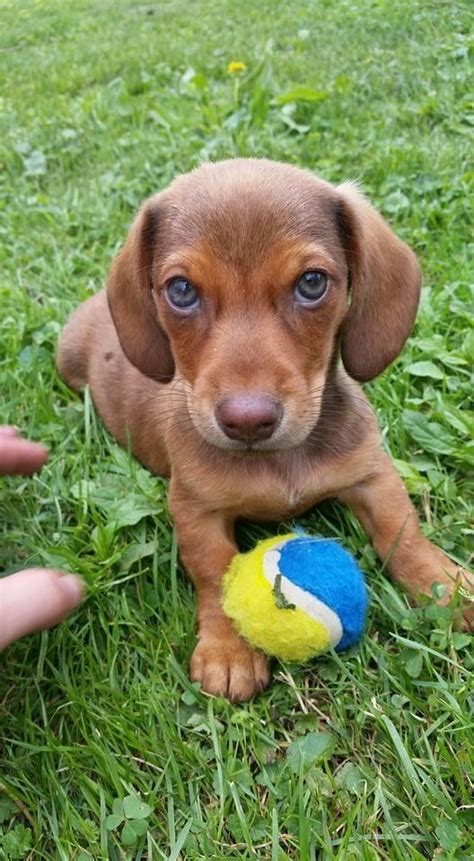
(365, 757)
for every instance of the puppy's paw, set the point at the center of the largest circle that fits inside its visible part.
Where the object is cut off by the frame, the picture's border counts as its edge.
(227, 667)
(467, 623)
(462, 579)
(438, 568)
(467, 619)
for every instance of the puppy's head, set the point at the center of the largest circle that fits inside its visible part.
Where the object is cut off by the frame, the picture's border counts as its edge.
(240, 275)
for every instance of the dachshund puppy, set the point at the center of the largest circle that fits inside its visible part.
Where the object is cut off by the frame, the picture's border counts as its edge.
(247, 304)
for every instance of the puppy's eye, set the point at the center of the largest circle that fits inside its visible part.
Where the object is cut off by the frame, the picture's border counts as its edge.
(181, 294)
(311, 286)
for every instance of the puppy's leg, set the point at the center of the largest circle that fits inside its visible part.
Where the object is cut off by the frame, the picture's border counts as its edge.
(383, 507)
(222, 662)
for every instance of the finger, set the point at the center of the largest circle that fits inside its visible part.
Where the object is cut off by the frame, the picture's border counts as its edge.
(8, 430)
(35, 599)
(20, 456)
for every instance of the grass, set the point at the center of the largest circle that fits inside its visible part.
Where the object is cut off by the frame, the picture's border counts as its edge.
(365, 757)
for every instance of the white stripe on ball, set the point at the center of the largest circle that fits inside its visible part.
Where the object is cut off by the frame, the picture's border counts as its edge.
(318, 611)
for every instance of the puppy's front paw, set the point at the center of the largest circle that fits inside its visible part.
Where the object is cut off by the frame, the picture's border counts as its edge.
(467, 586)
(436, 567)
(468, 619)
(459, 577)
(227, 667)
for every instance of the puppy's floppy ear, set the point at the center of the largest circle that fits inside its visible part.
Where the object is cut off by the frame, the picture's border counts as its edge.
(129, 293)
(385, 283)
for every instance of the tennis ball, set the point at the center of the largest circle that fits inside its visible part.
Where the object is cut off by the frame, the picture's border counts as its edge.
(295, 596)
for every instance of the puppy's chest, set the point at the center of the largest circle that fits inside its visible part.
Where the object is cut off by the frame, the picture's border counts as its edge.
(269, 493)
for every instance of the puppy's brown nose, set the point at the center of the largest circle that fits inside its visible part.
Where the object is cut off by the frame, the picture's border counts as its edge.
(249, 417)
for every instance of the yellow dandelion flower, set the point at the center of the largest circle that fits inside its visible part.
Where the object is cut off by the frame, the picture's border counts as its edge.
(236, 66)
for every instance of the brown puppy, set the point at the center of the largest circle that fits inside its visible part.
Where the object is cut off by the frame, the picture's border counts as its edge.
(224, 349)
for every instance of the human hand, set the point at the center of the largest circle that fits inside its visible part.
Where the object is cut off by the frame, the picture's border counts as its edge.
(36, 598)
(19, 456)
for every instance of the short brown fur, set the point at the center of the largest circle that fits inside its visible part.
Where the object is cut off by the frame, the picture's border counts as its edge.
(243, 231)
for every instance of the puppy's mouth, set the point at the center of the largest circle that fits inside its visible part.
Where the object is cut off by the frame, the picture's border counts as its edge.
(251, 449)
(253, 429)
(283, 441)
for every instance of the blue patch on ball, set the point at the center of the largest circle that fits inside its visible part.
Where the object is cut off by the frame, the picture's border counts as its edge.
(328, 572)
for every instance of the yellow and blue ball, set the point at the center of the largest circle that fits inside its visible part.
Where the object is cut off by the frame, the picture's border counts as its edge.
(295, 596)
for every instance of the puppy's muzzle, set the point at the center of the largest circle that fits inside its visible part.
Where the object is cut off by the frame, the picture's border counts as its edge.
(249, 417)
